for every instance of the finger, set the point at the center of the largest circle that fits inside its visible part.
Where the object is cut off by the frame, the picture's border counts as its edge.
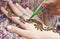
(18, 31)
(24, 26)
(48, 2)
(14, 9)
(59, 11)
(29, 11)
(36, 17)
(5, 12)
(22, 9)
(12, 18)
(54, 11)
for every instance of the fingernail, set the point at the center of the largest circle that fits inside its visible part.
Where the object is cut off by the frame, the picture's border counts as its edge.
(16, 3)
(1, 7)
(9, 27)
(10, 2)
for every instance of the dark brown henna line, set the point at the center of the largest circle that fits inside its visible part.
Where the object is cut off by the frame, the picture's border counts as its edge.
(14, 9)
(12, 19)
(38, 25)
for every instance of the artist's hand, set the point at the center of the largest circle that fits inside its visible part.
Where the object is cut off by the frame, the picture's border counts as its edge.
(53, 6)
(28, 31)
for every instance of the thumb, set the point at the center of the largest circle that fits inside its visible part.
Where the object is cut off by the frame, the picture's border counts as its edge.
(21, 32)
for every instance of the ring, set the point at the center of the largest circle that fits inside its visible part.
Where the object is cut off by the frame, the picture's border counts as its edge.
(23, 14)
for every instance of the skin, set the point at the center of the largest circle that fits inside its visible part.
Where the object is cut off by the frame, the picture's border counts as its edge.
(54, 8)
(29, 31)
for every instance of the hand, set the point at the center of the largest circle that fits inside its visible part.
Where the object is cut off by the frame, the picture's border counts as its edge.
(28, 31)
(53, 6)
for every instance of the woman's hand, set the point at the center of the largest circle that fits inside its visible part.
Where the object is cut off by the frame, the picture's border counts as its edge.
(53, 6)
(29, 31)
